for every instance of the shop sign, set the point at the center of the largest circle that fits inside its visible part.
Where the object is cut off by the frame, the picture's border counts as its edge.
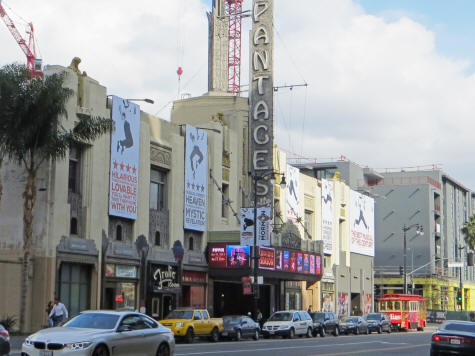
(123, 271)
(165, 277)
(267, 258)
(110, 270)
(217, 256)
(246, 285)
(194, 276)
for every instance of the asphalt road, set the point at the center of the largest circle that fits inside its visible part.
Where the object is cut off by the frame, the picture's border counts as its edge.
(405, 343)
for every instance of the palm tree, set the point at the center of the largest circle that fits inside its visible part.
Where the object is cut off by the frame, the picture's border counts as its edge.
(468, 231)
(31, 134)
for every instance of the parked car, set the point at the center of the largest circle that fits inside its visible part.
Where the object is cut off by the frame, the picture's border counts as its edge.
(188, 323)
(354, 325)
(103, 333)
(454, 337)
(378, 322)
(240, 326)
(4, 341)
(288, 324)
(324, 323)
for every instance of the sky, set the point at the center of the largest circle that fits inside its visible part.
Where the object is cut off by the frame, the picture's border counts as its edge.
(390, 82)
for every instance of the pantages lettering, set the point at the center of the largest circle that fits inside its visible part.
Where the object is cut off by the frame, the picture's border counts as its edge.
(165, 278)
(261, 95)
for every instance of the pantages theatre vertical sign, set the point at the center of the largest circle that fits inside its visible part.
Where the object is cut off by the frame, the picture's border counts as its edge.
(261, 101)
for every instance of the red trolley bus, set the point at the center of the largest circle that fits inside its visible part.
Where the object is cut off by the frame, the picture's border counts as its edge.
(406, 311)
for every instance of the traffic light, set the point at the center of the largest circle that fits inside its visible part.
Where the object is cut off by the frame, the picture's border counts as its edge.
(459, 297)
(401, 270)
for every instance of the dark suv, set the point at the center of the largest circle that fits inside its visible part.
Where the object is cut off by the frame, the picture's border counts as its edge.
(324, 323)
(378, 322)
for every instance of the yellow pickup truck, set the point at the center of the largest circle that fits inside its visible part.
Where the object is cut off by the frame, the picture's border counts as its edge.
(188, 323)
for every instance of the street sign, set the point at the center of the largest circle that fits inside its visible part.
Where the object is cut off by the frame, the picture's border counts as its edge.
(456, 264)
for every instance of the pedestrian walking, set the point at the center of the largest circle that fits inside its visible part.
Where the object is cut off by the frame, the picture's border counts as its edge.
(309, 310)
(58, 313)
(48, 309)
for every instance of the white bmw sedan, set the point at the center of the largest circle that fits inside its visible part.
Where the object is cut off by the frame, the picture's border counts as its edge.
(103, 333)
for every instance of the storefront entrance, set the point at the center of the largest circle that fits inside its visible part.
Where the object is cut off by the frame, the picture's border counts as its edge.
(120, 295)
(75, 287)
(230, 300)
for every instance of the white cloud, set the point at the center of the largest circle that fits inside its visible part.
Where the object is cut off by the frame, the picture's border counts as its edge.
(379, 93)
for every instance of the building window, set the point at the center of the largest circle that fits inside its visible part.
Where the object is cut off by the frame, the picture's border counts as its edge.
(157, 238)
(118, 233)
(74, 169)
(73, 229)
(308, 223)
(190, 244)
(224, 200)
(158, 186)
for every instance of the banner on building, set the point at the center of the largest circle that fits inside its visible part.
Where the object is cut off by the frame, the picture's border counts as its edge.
(124, 163)
(246, 285)
(343, 303)
(263, 226)
(327, 216)
(267, 258)
(238, 256)
(361, 224)
(292, 193)
(367, 303)
(196, 178)
(261, 97)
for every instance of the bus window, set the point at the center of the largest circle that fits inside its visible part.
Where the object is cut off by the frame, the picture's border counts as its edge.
(390, 306)
(382, 306)
(397, 305)
(404, 305)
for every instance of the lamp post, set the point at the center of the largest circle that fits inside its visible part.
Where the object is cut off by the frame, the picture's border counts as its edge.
(460, 248)
(419, 231)
(255, 257)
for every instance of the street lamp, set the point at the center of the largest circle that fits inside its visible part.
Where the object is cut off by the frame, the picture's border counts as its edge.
(255, 257)
(419, 231)
(460, 248)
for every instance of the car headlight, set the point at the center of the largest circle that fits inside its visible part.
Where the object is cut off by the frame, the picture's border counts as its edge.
(179, 325)
(28, 342)
(77, 345)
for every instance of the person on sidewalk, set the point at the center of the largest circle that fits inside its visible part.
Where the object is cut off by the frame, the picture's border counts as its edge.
(49, 307)
(58, 313)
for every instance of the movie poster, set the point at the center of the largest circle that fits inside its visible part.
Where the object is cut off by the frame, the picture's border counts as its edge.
(343, 304)
(361, 224)
(237, 256)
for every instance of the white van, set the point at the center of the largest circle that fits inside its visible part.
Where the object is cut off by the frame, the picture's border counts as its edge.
(288, 324)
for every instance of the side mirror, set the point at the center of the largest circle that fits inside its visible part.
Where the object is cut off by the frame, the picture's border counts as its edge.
(123, 328)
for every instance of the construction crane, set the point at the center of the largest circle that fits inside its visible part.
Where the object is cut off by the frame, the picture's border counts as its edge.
(33, 64)
(234, 12)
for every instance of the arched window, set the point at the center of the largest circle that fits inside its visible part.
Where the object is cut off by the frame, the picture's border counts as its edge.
(157, 238)
(118, 233)
(190, 244)
(73, 228)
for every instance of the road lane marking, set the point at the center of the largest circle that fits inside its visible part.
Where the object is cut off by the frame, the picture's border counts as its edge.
(353, 352)
(280, 348)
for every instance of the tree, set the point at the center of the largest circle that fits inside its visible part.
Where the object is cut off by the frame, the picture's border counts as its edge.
(31, 134)
(468, 231)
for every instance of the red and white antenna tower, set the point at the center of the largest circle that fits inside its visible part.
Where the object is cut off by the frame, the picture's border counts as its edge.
(234, 12)
(32, 63)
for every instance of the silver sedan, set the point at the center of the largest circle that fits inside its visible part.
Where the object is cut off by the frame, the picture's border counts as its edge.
(103, 333)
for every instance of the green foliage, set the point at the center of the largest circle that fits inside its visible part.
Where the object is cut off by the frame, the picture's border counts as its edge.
(468, 231)
(8, 321)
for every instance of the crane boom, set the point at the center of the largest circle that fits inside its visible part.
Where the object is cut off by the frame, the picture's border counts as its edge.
(32, 63)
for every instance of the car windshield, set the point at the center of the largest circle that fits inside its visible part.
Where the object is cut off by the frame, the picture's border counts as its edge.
(93, 321)
(281, 317)
(318, 316)
(351, 320)
(180, 314)
(231, 319)
(459, 327)
(373, 317)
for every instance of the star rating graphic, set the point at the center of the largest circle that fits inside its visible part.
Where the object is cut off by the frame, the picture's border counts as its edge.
(124, 167)
(197, 187)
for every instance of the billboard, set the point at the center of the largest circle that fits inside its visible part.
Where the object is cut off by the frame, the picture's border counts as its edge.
(361, 224)
(327, 216)
(124, 163)
(267, 258)
(292, 193)
(238, 256)
(196, 178)
(263, 226)
(217, 256)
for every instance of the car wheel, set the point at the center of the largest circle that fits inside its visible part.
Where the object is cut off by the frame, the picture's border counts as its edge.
(190, 336)
(238, 335)
(337, 331)
(256, 335)
(433, 352)
(215, 335)
(323, 332)
(101, 350)
(163, 350)
(291, 333)
(380, 330)
(309, 332)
